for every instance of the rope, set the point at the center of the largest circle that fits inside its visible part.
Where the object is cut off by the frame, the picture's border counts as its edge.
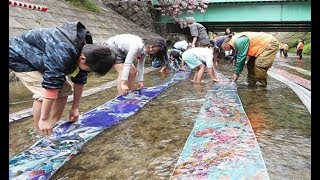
(27, 5)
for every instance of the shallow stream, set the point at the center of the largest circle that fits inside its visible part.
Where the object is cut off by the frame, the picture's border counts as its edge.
(148, 144)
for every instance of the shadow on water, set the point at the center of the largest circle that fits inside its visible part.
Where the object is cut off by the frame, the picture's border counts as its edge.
(148, 144)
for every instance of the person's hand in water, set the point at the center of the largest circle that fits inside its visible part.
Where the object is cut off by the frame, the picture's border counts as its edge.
(233, 84)
(124, 88)
(140, 85)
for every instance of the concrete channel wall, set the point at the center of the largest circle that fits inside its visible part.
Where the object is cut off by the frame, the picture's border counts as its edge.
(102, 25)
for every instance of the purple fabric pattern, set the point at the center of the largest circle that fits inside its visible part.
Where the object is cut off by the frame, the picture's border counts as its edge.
(47, 155)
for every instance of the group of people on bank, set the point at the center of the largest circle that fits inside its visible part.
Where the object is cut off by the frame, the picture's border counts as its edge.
(45, 59)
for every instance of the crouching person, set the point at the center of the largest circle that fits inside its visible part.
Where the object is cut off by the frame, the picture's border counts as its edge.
(200, 58)
(42, 58)
(173, 65)
(261, 48)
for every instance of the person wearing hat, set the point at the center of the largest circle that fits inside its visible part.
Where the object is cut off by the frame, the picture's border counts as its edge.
(198, 32)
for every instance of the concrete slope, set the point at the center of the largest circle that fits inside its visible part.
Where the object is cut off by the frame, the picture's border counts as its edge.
(102, 25)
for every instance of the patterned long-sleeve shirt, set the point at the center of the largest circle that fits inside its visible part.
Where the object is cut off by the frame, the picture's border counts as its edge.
(52, 51)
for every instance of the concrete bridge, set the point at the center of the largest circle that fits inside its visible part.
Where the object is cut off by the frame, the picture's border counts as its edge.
(249, 15)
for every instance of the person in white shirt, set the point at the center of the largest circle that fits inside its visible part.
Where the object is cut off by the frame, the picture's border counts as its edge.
(182, 45)
(128, 47)
(200, 58)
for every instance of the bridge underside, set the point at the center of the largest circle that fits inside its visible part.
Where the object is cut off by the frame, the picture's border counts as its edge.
(259, 26)
(174, 28)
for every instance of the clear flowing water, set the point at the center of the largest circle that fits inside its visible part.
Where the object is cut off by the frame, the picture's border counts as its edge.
(148, 144)
(299, 67)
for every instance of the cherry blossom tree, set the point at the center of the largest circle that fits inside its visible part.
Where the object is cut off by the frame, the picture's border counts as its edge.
(175, 8)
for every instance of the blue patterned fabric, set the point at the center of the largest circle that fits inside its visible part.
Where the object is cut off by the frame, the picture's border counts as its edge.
(47, 155)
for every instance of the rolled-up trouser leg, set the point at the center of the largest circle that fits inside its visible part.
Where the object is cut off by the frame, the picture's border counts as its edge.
(265, 59)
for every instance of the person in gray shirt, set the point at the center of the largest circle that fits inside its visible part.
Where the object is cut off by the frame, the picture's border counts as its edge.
(198, 33)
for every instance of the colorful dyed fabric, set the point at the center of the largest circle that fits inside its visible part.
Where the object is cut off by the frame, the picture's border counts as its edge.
(303, 93)
(222, 144)
(46, 156)
(300, 70)
(294, 78)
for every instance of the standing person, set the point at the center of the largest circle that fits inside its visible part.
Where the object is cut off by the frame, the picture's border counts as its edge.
(129, 47)
(261, 49)
(300, 49)
(285, 50)
(200, 58)
(198, 32)
(42, 58)
(228, 32)
(281, 48)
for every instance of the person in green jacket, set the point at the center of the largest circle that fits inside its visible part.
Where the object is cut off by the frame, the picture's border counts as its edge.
(260, 47)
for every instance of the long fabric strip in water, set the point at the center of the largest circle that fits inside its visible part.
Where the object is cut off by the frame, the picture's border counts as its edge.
(300, 70)
(222, 144)
(294, 78)
(47, 155)
(28, 112)
(284, 62)
(303, 93)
